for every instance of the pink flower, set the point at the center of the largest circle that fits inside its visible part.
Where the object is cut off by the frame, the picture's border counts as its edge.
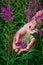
(28, 12)
(41, 34)
(31, 3)
(3, 10)
(15, 23)
(36, 32)
(26, 19)
(39, 17)
(22, 44)
(7, 13)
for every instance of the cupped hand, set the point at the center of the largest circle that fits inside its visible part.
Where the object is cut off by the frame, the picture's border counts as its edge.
(20, 35)
(24, 32)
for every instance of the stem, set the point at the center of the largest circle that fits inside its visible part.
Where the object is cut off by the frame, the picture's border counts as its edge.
(26, 61)
(41, 44)
(9, 41)
(42, 49)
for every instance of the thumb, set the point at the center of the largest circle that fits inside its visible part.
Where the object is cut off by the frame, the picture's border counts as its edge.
(17, 38)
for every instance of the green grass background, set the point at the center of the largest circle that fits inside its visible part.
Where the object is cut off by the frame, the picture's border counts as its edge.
(7, 31)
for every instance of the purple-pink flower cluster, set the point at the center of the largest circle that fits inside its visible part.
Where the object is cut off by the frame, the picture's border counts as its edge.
(33, 4)
(39, 17)
(28, 12)
(21, 44)
(40, 33)
(32, 11)
(15, 23)
(7, 13)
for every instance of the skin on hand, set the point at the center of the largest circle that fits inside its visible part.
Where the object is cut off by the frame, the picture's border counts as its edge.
(23, 33)
(21, 36)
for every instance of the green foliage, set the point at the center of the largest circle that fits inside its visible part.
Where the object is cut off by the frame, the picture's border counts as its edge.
(7, 32)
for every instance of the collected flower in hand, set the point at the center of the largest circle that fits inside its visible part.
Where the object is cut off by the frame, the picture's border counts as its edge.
(21, 44)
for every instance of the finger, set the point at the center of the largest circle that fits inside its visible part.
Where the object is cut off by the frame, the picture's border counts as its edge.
(29, 47)
(17, 38)
(22, 50)
(15, 41)
(16, 50)
(14, 46)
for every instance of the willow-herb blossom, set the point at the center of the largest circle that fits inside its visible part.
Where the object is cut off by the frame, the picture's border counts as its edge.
(15, 23)
(39, 17)
(21, 44)
(30, 13)
(41, 34)
(34, 4)
(7, 13)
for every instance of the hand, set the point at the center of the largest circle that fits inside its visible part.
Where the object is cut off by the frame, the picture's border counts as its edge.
(20, 35)
(23, 32)
(29, 47)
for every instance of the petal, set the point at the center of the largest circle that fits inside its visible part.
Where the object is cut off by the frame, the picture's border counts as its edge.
(3, 9)
(12, 17)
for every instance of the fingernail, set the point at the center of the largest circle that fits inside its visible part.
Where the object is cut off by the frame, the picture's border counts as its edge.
(16, 41)
(16, 50)
(18, 53)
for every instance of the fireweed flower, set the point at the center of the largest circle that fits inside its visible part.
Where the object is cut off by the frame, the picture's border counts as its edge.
(7, 13)
(38, 17)
(31, 19)
(28, 12)
(36, 5)
(41, 34)
(31, 3)
(40, 7)
(26, 19)
(15, 23)
(33, 13)
(3, 9)
(36, 33)
(21, 44)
